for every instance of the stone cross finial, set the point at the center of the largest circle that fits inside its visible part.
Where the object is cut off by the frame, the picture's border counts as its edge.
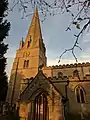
(40, 67)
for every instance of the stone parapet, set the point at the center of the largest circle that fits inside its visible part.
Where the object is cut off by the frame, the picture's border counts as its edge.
(71, 65)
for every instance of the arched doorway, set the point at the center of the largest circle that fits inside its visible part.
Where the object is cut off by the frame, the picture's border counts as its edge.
(41, 107)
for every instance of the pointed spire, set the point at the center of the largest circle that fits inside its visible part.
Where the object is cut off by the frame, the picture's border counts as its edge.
(34, 33)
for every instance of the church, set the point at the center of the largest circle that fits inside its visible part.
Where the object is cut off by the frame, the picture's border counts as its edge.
(44, 92)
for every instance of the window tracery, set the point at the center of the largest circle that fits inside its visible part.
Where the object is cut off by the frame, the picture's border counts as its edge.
(80, 94)
(26, 63)
(40, 107)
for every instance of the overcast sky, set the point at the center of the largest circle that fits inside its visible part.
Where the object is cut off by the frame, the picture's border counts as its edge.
(55, 37)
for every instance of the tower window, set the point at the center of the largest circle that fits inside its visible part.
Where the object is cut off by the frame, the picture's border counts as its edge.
(26, 63)
(28, 44)
(80, 94)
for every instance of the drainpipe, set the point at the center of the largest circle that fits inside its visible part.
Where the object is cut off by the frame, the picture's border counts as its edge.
(82, 72)
(66, 96)
(66, 88)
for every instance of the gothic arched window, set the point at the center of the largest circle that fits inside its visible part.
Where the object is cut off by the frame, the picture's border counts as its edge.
(40, 107)
(60, 75)
(75, 73)
(80, 94)
(77, 95)
(26, 63)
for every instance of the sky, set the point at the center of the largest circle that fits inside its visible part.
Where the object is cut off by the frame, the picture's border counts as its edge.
(55, 37)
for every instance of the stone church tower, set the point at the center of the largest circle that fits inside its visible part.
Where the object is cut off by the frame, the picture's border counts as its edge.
(30, 55)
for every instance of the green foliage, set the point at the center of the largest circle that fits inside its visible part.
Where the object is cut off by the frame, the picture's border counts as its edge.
(78, 26)
(4, 28)
(13, 116)
(10, 116)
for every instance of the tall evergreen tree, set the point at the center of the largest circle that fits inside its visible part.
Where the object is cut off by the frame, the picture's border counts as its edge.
(4, 28)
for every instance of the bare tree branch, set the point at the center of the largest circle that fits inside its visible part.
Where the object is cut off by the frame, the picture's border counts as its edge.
(76, 43)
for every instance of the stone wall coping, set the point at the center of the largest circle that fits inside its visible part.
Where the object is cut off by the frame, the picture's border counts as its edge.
(71, 65)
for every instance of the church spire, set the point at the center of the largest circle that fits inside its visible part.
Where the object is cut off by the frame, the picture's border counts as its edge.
(34, 35)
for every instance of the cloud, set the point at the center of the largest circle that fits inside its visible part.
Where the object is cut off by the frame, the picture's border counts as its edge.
(63, 61)
(86, 38)
(85, 56)
(66, 61)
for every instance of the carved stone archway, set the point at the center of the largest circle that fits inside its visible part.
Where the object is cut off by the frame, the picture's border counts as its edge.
(40, 107)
